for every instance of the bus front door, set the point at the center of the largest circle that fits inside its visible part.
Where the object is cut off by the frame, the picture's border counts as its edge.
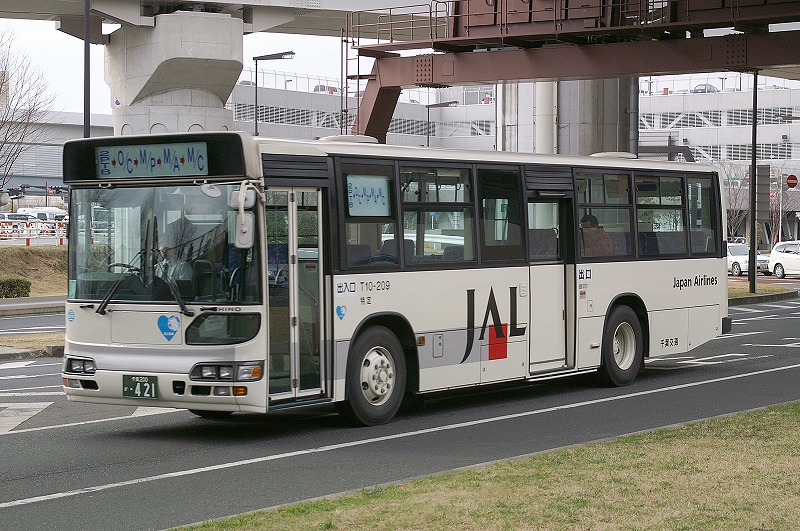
(548, 285)
(294, 269)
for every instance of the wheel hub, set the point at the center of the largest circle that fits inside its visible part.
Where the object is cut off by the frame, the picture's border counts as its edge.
(377, 376)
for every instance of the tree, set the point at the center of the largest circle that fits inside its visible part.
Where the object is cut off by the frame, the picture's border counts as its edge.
(737, 193)
(24, 102)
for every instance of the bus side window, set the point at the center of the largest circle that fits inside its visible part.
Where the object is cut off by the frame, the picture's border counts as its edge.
(501, 215)
(358, 254)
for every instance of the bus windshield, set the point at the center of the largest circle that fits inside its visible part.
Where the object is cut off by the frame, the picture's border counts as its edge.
(159, 244)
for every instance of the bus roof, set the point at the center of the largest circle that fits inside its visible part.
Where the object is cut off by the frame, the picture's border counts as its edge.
(345, 145)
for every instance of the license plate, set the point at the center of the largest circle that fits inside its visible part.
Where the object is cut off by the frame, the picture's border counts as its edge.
(139, 386)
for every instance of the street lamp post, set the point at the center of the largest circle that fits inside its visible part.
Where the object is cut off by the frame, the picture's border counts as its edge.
(267, 57)
(428, 123)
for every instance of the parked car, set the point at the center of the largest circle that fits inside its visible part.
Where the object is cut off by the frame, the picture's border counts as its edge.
(785, 259)
(739, 260)
(704, 88)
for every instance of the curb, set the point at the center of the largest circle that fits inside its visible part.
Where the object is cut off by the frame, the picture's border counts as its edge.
(31, 311)
(753, 299)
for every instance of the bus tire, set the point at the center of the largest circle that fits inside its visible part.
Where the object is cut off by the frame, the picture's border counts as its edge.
(376, 378)
(214, 415)
(623, 347)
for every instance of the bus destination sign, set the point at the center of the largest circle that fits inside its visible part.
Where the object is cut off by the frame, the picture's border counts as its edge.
(152, 160)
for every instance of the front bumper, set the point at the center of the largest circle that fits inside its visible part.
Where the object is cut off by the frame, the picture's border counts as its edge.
(174, 391)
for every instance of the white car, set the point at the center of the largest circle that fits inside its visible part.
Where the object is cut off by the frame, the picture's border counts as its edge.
(785, 259)
(739, 260)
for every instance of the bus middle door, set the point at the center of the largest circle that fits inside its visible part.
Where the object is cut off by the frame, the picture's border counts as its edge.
(548, 284)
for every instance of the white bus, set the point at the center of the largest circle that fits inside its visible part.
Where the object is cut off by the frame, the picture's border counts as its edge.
(251, 275)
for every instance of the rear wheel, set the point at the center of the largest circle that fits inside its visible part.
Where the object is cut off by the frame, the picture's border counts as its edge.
(623, 347)
(779, 272)
(376, 378)
(736, 269)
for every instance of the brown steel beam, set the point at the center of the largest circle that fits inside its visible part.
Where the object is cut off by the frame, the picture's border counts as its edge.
(595, 61)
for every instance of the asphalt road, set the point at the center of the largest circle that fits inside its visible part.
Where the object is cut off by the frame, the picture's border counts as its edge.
(79, 466)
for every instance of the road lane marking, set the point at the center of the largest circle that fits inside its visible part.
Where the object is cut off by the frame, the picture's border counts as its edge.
(4, 394)
(738, 334)
(31, 388)
(26, 376)
(373, 440)
(16, 365)
(745, 310)
(12, 415)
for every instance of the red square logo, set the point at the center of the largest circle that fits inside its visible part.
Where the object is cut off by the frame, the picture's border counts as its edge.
(498, 346)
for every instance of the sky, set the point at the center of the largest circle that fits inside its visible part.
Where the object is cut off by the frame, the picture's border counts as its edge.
(60, 58)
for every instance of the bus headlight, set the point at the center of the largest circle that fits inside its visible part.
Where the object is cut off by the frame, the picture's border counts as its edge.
(249, 372)
(79, 366)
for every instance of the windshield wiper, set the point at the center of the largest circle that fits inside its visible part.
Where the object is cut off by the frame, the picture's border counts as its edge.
(113, 289)
(177, 296)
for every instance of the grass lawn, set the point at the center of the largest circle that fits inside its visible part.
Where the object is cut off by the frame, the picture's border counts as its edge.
(736, 472)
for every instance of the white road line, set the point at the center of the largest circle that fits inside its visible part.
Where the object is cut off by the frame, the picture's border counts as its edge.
(745, 310)
(16, 365)
(4, 394)
(24, 376)
(779, 306)
(743, 319)
(12, 415)
(738, 334)
(373, 440)
(30, 388)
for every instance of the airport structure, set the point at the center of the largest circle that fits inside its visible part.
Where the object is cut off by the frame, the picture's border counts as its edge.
(550, 78)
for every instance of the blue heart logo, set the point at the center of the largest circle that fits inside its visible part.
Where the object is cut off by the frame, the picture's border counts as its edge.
(340, 311)
(169, 325)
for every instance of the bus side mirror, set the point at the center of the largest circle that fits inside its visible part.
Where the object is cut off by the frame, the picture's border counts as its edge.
(4, 198)
(249, 199)
(245, 229)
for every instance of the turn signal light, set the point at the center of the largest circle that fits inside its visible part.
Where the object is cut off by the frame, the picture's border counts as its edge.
(240, 391)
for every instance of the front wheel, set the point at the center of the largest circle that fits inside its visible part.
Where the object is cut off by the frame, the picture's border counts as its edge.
(376, 378)
(736, 269)
(623, 347)
(779, 272)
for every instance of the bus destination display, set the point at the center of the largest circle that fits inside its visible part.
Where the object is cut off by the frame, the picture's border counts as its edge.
(152, 160)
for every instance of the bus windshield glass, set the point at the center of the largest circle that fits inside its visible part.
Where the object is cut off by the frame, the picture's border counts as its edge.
(159, 244)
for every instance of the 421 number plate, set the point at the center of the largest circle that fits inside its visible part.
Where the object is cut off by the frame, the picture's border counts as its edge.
(139, 386)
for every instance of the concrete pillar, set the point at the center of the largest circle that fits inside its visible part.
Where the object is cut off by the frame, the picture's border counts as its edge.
(545, 117)
(176, 76)
(565, 117)
(593, 116)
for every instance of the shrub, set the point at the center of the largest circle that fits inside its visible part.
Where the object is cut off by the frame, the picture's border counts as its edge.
(14, 286)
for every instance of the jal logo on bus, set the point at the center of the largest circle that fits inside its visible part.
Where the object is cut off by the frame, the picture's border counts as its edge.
(499, 332)
(169, 326)
(156, 160)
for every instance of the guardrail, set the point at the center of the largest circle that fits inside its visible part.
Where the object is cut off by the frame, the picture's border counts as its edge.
(33, 233)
